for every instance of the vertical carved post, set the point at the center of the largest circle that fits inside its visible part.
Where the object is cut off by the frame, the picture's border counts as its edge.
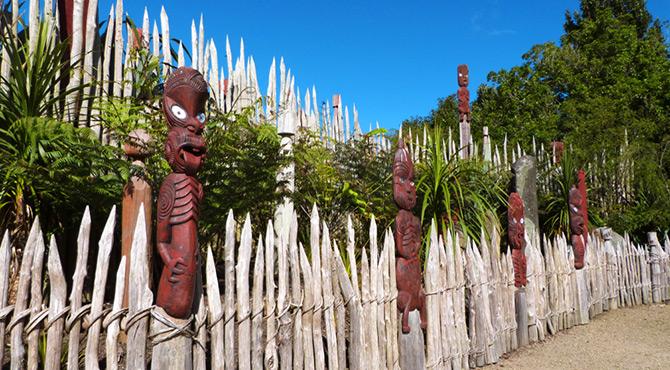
(576, 204)
(464, 109)
(525, 184)
(286, 176)
(516, 221)
(516, 239)
(408, 267)
(136, 192)
(178, 208)
(581, 185)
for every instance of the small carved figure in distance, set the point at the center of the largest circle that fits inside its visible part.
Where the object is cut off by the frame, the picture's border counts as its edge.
(463, 93)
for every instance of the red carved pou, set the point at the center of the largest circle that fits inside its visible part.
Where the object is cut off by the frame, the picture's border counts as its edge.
(577, 226)
(581, 185)
(463, 92)
(407, 240)
(516, 238)
(181, 193)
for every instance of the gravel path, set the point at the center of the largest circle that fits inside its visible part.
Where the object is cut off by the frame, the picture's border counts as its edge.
(629, 338)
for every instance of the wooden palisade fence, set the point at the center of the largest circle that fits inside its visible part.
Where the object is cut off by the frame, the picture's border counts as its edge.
(280, 308)
(106, 68)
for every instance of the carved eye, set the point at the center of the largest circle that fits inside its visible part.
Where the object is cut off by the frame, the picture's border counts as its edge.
(178, 111)
(574, 208)
(460, 75)
(201, 117)
(521, 221)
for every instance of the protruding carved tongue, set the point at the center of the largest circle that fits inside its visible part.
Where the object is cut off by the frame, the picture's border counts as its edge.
(192, 161)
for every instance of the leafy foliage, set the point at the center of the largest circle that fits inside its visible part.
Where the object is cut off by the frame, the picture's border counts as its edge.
(610, 73)
(51, 169)
(351, 179)
(458, 194)
(553, 207)
(32, 88)
(240, 173)
(48, 168)
(243, 154)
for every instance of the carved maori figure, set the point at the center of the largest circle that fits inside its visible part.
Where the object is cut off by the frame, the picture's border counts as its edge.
(463, 93)
(516, 233)
(581, 185)
(181, 193)
(407, 239)
(577, 226)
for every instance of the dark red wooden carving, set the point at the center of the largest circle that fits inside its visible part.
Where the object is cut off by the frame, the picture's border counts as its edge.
(581, 185)
(407, 240)
(181, 193)
(577, 226)
(516, 233)
(463, 93)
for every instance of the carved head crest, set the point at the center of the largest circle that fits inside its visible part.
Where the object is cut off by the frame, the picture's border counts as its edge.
(576, 217)
(184, 98)
(516, 221)
(404, 191)
(463, 75)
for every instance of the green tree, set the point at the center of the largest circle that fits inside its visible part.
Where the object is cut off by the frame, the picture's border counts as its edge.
(609, 74)
(350, 179)
(48, 168)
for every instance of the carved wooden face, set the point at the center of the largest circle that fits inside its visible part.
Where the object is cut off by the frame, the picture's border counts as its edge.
(516, 222)
(463, 75)
(576, 217)
(184, 100)
(404, 191)
(185, 151)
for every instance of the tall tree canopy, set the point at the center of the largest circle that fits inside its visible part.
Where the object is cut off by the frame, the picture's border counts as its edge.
(609, 74)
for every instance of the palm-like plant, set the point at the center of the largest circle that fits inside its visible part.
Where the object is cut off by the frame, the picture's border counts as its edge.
(458, 194)
(33, 86)
(47, 167)
(554, 209)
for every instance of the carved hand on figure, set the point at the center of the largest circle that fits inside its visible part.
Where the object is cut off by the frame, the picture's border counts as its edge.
(177, 266)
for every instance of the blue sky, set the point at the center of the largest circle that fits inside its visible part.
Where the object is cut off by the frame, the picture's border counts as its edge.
(394, 59)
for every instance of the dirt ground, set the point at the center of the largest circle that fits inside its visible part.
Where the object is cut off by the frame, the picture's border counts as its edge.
(629, 338)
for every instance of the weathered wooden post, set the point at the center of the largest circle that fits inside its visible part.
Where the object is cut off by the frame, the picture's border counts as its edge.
(611, 263)
(464, 110)
(177, 224)
(486, 145)
(407, 236)
(655, 252)
(286, 176)
(136, 192)
(525, 184)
